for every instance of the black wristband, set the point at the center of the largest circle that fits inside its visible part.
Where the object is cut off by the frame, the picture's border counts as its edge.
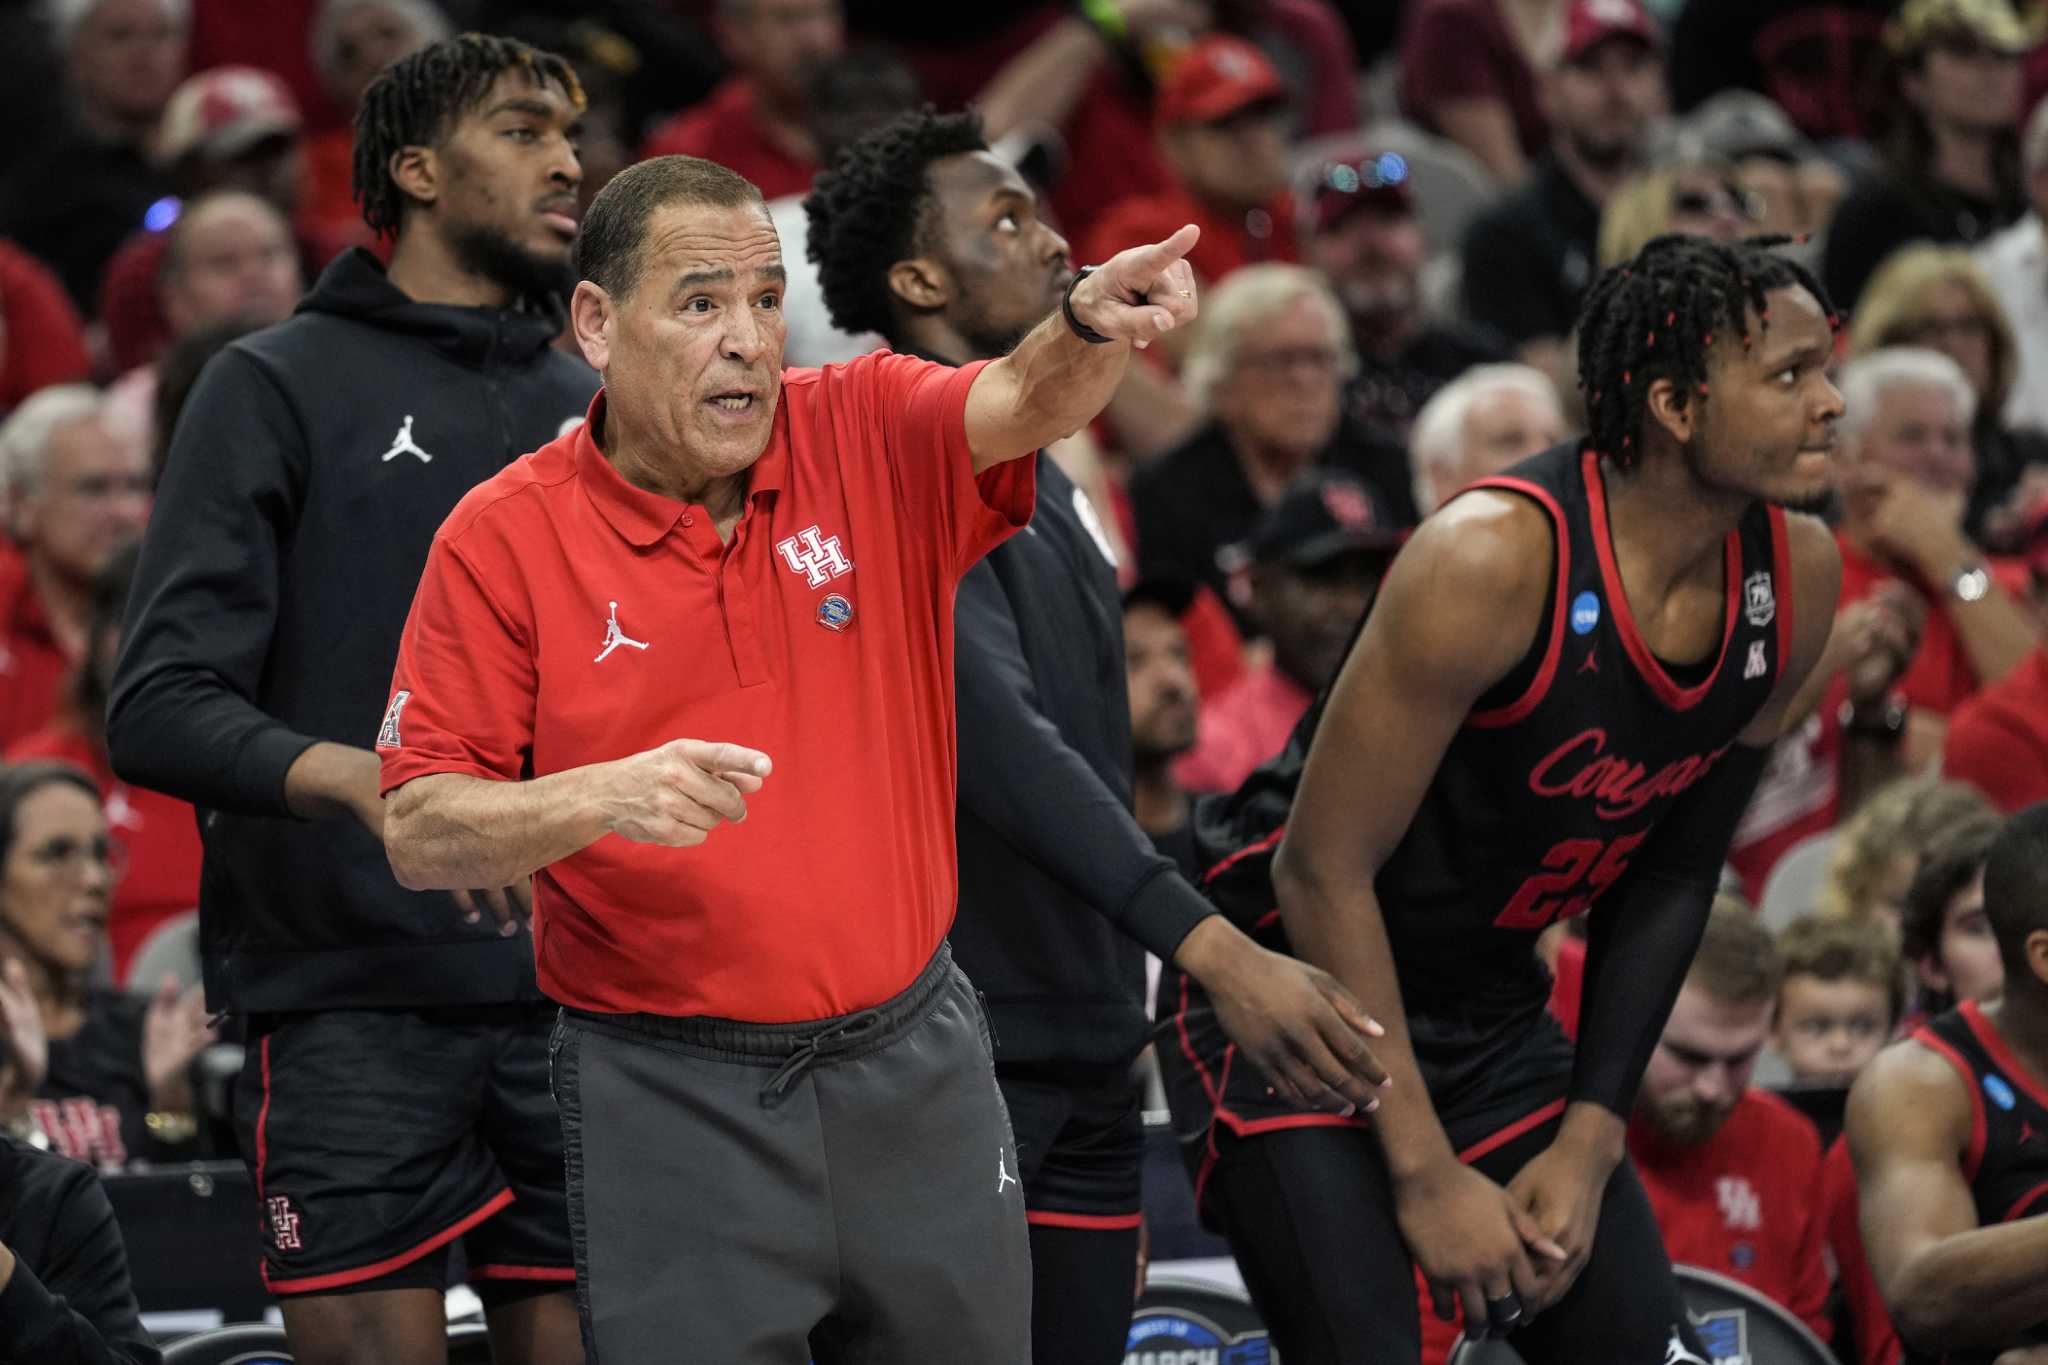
(1080, 328)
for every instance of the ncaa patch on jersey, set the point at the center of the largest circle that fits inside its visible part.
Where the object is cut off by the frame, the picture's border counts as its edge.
(835, 612)
(2000, 1093)
(1585, 612)
(387, 733)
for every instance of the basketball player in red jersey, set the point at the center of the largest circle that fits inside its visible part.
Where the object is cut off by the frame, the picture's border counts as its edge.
(1560, 702)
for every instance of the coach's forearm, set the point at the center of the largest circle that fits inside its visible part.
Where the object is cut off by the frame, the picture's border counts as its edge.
(1051, 386)
(451, 831)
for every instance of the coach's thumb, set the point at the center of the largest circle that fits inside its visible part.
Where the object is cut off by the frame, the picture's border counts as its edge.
(729, 758)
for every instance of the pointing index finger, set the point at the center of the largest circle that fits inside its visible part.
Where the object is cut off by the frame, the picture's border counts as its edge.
(1148, 261)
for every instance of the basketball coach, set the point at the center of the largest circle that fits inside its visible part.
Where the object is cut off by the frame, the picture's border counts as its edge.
(784, 1137)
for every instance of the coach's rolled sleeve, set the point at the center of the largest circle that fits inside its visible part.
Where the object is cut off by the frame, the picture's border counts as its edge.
(463, 693)
(924, 406)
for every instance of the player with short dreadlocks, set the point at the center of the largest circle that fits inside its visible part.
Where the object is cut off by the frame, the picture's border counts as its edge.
(1560, 703)
(396, 1092)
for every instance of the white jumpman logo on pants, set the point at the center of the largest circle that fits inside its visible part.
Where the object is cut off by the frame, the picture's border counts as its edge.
(1003, 1175)
(614, 637)
(403, 444)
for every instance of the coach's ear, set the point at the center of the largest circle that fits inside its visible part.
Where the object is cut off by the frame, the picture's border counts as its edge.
(1669, 407)
(592, 315)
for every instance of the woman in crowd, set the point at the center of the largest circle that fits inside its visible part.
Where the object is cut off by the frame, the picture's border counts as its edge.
(1938, 297)
(110, 1072)
(161, 879)
(1692, 191)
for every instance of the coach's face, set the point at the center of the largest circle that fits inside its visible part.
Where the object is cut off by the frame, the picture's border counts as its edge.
(692, 355)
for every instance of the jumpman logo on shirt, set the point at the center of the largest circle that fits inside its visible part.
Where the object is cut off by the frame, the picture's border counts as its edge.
(614, 637)
(1003, 1175)
(1676, 1354)
(403, 444)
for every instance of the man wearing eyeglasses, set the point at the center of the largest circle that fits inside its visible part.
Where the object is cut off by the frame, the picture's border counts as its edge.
(78, 493)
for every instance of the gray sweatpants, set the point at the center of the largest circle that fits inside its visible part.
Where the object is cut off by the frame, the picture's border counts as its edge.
(842, 1191)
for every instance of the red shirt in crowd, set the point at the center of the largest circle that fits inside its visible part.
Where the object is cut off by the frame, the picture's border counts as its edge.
(1462, 50)
(33, 665)
(42, 341)
(1798, 795)
(1877, 1342)
(160, 834)
(724, 128)
(1246, 724)
(1742, 1203)
(1226, 243)
(1998, 740)
(567, 617)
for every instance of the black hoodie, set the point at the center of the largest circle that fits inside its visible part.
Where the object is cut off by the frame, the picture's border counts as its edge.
(1060, 890)
(305, 480)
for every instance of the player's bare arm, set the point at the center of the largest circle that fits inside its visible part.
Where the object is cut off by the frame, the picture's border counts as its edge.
(1459, 608)
(1055, 383)
(1950, 1284)
(450, 830)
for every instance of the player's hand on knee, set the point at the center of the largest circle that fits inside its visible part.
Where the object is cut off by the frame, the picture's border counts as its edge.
(1469, 1239)
(1296, 1023)
(1560, 1197)
(678, 794)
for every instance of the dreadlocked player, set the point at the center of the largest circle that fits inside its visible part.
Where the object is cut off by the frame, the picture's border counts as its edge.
(396, 1091)
(1560, 702)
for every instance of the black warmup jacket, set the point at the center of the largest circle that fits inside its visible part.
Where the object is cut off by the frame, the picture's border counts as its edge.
(305, 481)
(1060, 890)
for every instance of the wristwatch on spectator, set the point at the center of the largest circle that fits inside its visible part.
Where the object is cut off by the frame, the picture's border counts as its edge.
(1883, 719)
(1970, 583)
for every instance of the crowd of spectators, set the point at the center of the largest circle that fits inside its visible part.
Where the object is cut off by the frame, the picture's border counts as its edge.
(1401, 206)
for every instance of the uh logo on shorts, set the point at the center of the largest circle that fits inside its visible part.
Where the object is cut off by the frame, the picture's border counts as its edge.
(284, 1223)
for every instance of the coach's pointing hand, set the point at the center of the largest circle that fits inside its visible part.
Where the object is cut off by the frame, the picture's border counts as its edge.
(1296, 1023)
(677, 794)
(1141, 293)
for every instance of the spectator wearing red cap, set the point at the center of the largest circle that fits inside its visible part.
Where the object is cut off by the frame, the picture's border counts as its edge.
(755, 123)
(1222, 125)
(1315, 562)
(1529, 258)
(73, 200)
(1369, 244)
(1998, 740)
(42, 341)
(233, 127)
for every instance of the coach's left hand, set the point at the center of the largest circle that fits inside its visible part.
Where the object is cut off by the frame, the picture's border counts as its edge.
(1295, 1022)
(1141, 293)
(1562, 1188)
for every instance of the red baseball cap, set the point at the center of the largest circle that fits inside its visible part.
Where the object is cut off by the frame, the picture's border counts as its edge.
(1217, 77)
(1590, 23)
(223, 112)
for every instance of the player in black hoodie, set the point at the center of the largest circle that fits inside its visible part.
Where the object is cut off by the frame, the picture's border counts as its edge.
(396, 1092)
(922, 235)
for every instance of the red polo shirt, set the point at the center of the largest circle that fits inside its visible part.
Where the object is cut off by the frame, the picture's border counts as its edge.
(821, 635)
(1998, 740)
